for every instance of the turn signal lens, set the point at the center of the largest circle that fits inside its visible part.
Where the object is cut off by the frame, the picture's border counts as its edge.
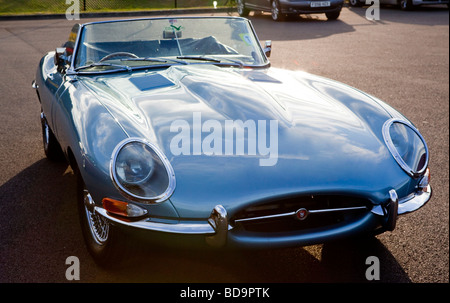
(123, 208)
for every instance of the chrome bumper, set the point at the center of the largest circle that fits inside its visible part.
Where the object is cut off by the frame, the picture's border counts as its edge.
(408, 204)
(216, 227)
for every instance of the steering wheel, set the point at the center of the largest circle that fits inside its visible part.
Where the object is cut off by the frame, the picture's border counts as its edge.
(118, 54)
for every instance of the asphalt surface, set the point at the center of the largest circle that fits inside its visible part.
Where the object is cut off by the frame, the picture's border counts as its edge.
(402, 59)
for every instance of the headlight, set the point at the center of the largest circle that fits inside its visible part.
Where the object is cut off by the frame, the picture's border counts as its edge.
(140, 170)
(406, 145)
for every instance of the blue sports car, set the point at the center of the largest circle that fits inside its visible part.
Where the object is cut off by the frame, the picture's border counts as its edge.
(180, 127)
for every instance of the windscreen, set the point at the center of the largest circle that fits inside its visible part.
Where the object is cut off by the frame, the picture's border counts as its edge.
(136, 42)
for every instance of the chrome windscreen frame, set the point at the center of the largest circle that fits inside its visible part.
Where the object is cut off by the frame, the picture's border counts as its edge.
(394, 152)
(169, 169)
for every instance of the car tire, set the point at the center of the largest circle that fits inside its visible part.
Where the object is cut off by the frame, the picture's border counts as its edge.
(105, 242)
(241, 9)
(52, 148)
(275, 11)
(406, 5)
(355, 3)
(333, 15)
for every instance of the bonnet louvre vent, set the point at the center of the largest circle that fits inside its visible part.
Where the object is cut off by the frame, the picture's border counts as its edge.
(149, 82)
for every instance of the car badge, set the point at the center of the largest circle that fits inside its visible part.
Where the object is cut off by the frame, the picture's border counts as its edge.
(301, 214)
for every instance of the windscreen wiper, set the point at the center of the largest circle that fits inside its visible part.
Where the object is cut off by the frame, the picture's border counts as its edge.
(214, 60)
(120, 67)
(153, 59)
(201, 58)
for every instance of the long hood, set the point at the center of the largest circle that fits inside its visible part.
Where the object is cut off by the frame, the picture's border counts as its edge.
(235, 136)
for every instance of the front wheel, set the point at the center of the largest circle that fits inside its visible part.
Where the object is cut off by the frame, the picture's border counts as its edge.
(333, 15)
(104, 242)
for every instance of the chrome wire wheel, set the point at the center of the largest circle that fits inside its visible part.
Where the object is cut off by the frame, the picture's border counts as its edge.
(98, 225)
(104, 241)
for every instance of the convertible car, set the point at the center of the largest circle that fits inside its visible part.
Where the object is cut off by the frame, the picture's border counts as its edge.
(179, 128)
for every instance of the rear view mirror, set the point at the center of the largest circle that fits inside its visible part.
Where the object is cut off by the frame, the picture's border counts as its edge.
(171, 34)
(268, 48)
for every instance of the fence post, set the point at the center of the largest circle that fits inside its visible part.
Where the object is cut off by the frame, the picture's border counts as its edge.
(176, 4)
(84, 5)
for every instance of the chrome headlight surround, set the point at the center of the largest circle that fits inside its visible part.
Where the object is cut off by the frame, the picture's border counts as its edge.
(413, 172)
(140, 190)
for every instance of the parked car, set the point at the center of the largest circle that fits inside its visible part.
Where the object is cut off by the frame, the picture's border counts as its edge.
(403, 4)
(280, 9)
(180, 127)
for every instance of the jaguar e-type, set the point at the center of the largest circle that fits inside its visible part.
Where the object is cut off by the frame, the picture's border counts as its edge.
(179, 127)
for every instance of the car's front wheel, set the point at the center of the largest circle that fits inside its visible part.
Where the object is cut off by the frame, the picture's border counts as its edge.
(104, 242)
(333, 15)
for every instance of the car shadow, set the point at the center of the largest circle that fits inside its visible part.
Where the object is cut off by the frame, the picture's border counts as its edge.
(40, 229)
(341, 262)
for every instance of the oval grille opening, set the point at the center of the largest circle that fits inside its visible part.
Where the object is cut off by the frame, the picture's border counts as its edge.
(279, 215)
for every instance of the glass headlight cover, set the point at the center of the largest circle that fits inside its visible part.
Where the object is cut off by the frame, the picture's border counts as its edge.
(141, 171)
(406, 145)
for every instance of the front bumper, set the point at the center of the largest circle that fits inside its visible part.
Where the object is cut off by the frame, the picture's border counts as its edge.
(218, 231)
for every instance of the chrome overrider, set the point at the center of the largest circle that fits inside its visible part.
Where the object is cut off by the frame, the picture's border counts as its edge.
(217, 226)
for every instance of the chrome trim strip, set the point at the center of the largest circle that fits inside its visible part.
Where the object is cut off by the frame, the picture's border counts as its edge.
(169, 169)
(336, 209)
(313, 211)
(409, 203)
(266, 217)
(394, 152)
(190, 228)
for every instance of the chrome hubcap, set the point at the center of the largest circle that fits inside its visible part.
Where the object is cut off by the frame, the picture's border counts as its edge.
(98, 225)
(275, 11)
